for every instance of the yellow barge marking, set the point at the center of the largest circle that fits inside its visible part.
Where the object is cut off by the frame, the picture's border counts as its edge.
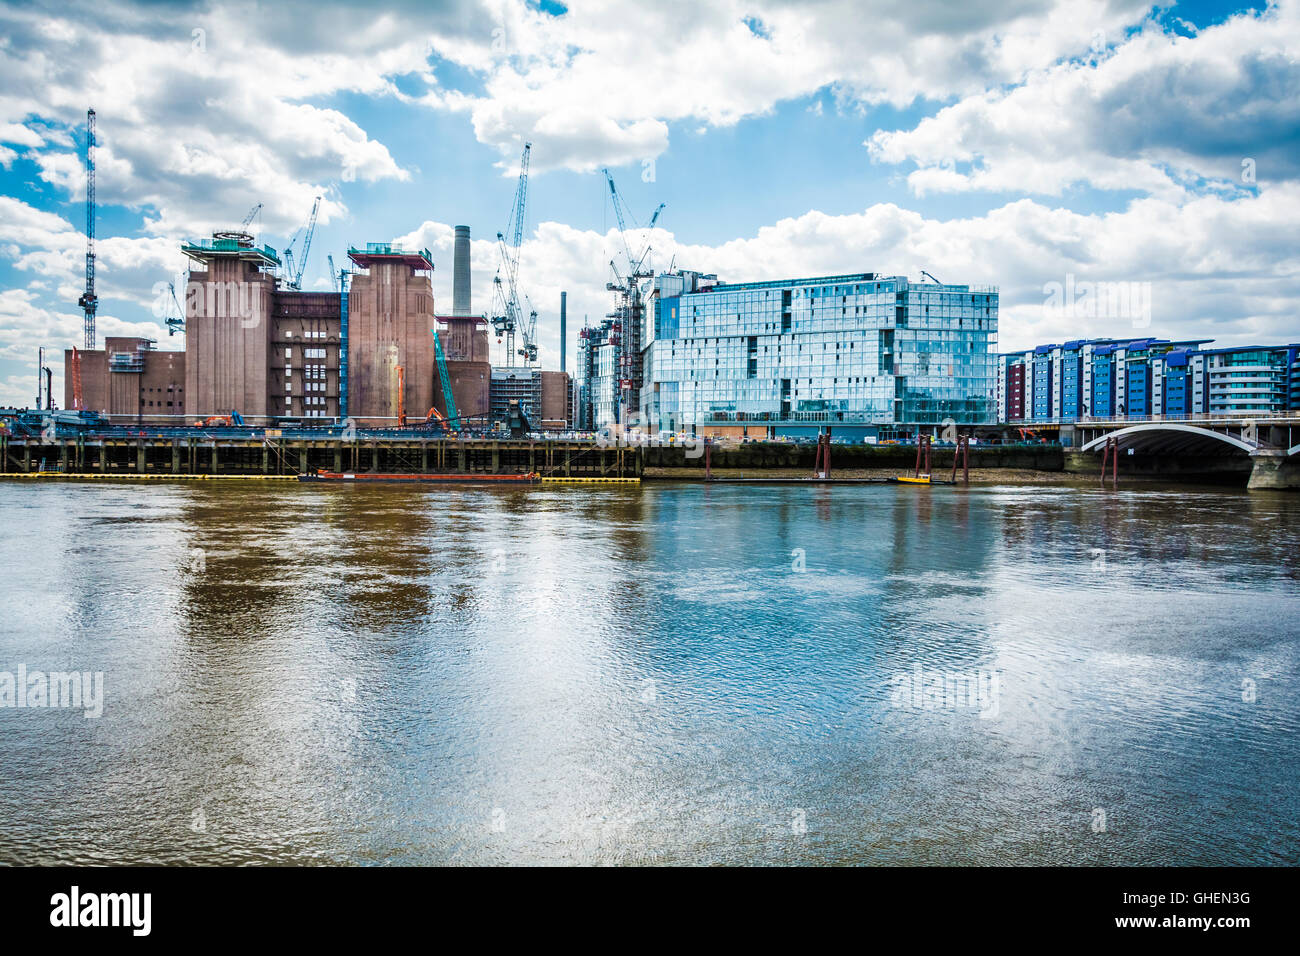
(589, 481)
(923, 480)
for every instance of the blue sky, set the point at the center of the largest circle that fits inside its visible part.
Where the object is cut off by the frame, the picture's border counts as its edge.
(1101, 140)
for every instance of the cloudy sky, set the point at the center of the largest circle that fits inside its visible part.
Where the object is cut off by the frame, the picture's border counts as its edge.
(1108, 141)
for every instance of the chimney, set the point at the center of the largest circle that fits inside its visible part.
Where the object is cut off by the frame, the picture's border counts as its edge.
(460, 302)
(564, 332)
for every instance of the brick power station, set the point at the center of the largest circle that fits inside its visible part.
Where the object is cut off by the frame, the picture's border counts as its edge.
(256, 345)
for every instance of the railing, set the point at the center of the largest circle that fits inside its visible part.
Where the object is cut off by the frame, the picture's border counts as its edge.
(1242, 416)
(126, 362)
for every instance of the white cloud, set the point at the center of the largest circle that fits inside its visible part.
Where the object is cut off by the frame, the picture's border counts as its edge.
(599, 85)
(194, 126)
(1219, 268)
(47, 245)
(1155, 116)
(25, 326)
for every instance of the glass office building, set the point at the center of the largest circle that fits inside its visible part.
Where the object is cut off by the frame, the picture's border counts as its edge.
(865, 354)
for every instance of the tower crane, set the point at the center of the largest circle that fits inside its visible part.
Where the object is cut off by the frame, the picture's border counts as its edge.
(294, 275)
(629, 307)
(529, 350)
(617, 203)
(252, 213)
(306, 243)
(89, 302)
(240, 233)
(334, 274)
(176, 324)
(506, 316)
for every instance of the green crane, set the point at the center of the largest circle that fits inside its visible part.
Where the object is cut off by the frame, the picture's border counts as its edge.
(449, 401)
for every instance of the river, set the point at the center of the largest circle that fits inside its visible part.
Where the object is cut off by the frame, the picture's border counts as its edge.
(670, 673)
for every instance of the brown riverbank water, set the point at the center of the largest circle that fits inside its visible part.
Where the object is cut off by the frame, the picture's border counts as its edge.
(663, 673)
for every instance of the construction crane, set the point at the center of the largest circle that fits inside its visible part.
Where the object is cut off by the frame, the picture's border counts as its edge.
(294, 275)
(240, 233)
(88, 301)
(306, 243)
(401, 396)
(252, 213)
(529, 349)
(638, 269)
(334, 273)
(930, 277)
(448, 399)
(44, 382)
(177, 323)
(78, 403)
(629, 308)
(635, 263)
(506, 316)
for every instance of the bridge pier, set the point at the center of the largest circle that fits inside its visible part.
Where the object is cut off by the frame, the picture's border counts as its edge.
(1274, 472)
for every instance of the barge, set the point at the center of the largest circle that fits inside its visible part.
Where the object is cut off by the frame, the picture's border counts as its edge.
(360, 477)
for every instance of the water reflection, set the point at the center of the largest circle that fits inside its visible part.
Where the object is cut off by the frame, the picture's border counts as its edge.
(664, 674)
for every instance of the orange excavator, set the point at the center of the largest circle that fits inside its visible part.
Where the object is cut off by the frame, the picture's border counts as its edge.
(234, 418)
(439, 419)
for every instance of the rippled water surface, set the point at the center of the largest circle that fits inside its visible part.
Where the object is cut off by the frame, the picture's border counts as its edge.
(299, 674)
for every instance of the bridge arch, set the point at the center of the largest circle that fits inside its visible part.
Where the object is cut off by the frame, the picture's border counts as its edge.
(1172, 437)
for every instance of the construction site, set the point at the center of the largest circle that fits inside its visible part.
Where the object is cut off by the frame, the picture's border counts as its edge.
(275, 379)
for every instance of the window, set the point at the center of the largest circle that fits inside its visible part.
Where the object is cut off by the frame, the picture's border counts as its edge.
(288, 354)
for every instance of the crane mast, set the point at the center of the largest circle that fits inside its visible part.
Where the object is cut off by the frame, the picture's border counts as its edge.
(508, 315)
(88, 301)
(306, 243)
(629, 308)
(294, 266)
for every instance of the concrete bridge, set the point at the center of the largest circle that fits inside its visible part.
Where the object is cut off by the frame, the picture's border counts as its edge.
(1267, 447)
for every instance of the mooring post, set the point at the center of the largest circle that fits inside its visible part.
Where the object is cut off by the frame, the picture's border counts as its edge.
(139, 456)
(708, 459)
(176, 457)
